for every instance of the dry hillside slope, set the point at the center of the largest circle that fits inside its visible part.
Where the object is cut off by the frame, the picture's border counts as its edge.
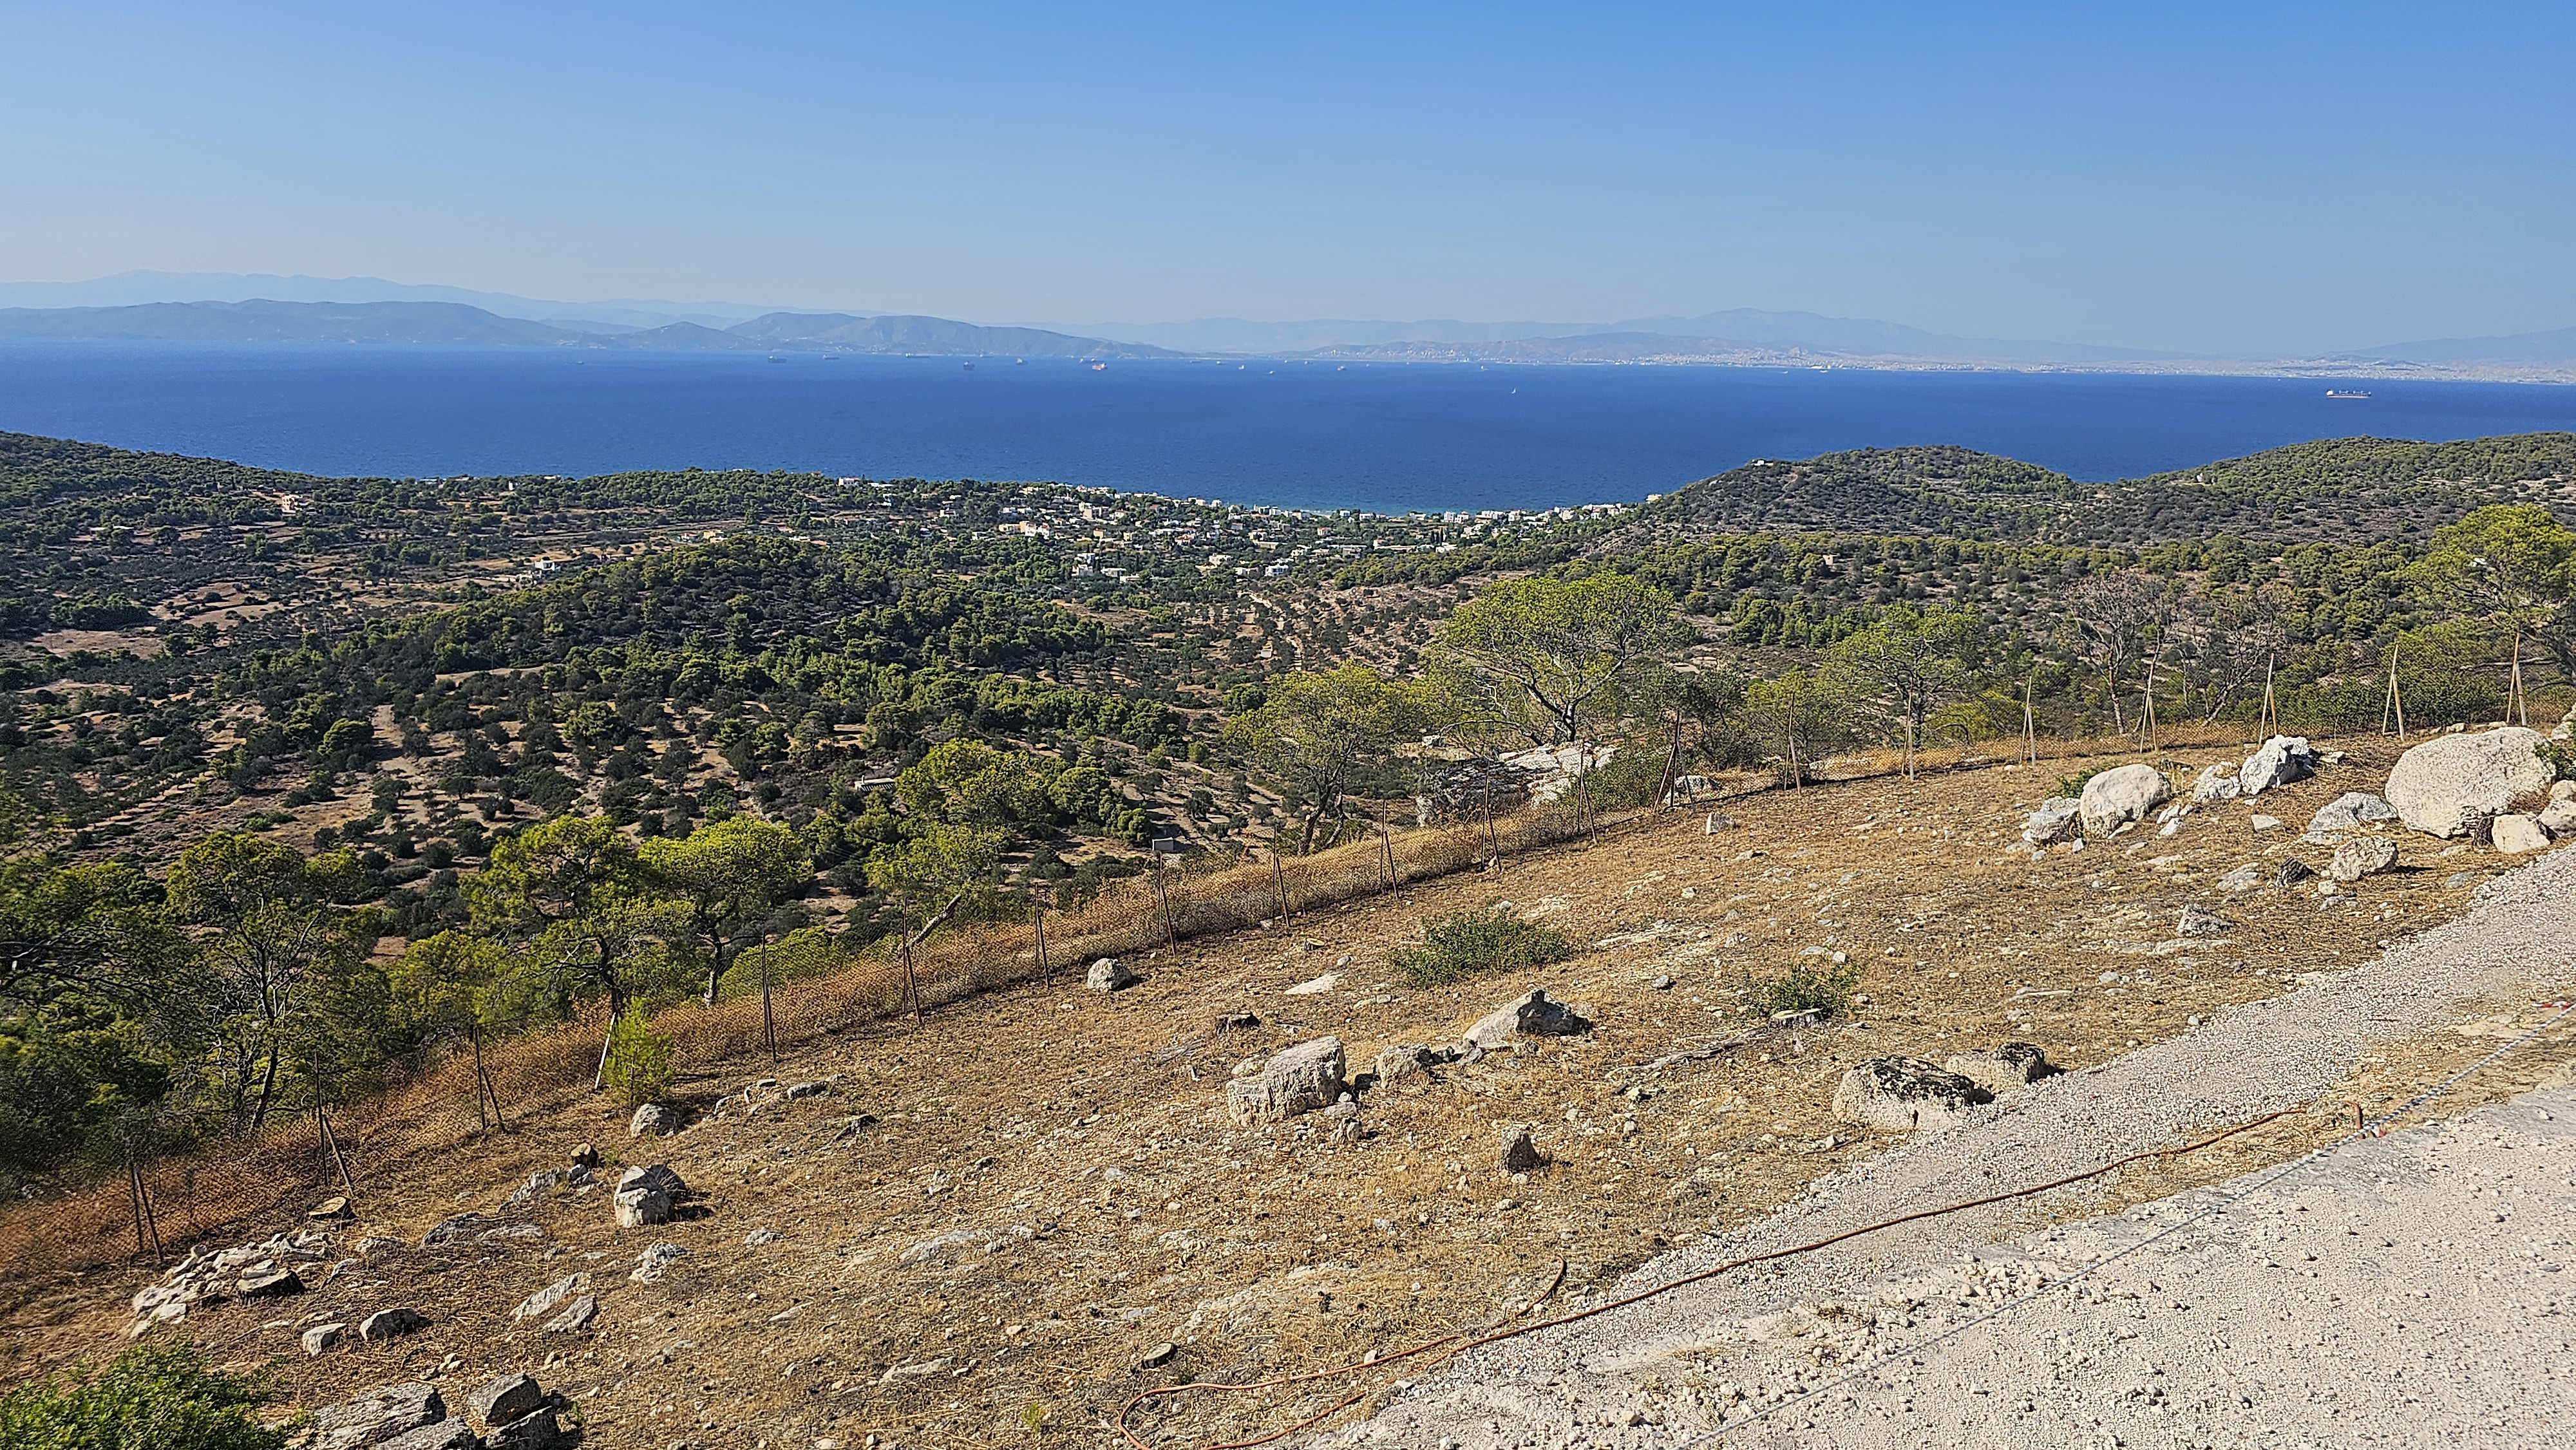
(1035, 1205)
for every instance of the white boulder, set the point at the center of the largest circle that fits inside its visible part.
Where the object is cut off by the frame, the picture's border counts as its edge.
(2120, 795)
(1109, 975)
(1532, 1014)
(2445, 785)
(2517, 835)
(645, 1195)
(2277, 762)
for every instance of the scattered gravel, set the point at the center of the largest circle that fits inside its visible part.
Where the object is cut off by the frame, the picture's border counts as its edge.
(1584, 1384)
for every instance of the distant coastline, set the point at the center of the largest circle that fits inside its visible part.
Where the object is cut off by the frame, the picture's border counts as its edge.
(1742, 338)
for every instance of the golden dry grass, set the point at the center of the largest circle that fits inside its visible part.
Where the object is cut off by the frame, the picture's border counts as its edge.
(1106, 1205)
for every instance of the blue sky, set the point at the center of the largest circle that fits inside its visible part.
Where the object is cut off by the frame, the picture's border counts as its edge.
(2198, 178)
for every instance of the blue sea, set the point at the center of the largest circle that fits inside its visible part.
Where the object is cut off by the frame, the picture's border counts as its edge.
(1386, 437)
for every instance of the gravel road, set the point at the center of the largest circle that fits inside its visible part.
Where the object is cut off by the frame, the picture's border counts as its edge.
(2224, 1333)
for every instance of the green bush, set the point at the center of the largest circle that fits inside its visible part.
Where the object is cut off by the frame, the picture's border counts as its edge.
(1805, 985)
(1476, 941)
(2560, 755)
(639, 1058)
(2071, 787)
(157, 1396)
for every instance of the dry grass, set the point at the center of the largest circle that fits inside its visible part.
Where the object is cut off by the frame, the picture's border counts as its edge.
(1107, 1204)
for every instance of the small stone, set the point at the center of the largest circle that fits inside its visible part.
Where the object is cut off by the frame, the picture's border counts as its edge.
(1520, 1152)
(1159, 1355)
(654, 1119)
(2458, 879)
(2241, 880)
(586, 1156)
(2264, 823)
(2292, 872)
(455, 1228)
(2362, 856)
(543, 1302)
(1662, 984)
(576, 1316)
(759, 1236)
(651, 1264)
(323, 1336)
(1316, 987)
(1108, 975)
(807, 1090)
(379, 1416)
(387, 1324)
(2201, 921)
(331, 1208)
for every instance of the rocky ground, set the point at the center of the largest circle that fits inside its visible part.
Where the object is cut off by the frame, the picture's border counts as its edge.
(2392, 1288)
(1039, 1205)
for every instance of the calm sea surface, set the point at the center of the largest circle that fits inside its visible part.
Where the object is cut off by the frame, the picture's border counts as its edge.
(1309, 435)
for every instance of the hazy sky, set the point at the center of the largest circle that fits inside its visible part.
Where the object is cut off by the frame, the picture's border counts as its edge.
(2160, 175)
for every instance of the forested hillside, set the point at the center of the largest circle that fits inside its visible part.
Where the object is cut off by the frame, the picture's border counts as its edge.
(436, 734)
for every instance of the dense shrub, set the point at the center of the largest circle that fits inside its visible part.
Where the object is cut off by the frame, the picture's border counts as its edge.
(157, 1396)
(1477, 941)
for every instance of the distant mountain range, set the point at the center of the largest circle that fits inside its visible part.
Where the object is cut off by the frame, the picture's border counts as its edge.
(237, 307)
(458, 325)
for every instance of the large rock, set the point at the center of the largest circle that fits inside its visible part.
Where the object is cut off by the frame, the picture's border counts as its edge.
(653, 1119)
(2347, 813)
(646, 1195)
(2277, 762)
(377, 1416)
(2447, 784)
(2120, 795)
(2201, 921)
(1301, 1079)
(2517, 835)
(1902, 1094)
(324, 1337)
(1109, 975)
(1531, 1014)
(576, 1316)
(504, 1398)
(444, 1435)
(394, 1323)
(2054, 821)
(2362, 856)
(2009, 1066)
